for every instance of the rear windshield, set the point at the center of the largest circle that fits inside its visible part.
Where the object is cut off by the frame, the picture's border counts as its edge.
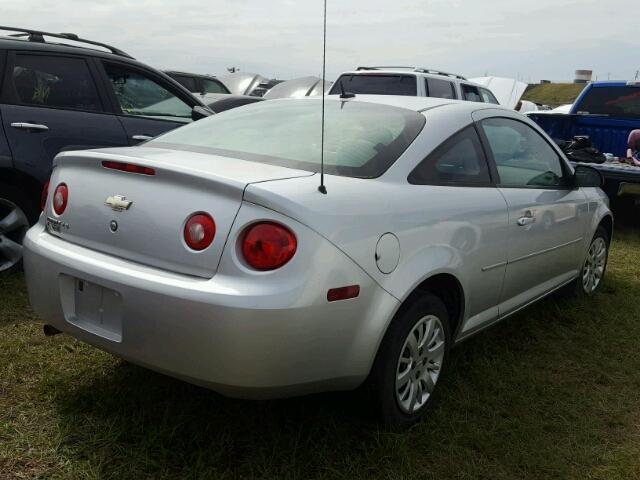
(614, 101)
(361, 139)
(376, 84)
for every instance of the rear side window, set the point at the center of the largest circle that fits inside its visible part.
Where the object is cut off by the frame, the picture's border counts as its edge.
(471, 93)
(614, 101)
(51, 81)
(213, 86)
(187, 82)
(440, 88)
(375, 84)
(488, 97)
(459, 160)
(140, 95)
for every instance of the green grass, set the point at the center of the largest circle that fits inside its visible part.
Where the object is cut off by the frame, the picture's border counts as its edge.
(553, 94)
(553, 392)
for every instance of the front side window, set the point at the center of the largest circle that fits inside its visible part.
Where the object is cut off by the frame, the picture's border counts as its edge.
(52, 81)
(471, 93)
(213, 86)
(488, 97)
(361, 139)
(440, 88)
(523, 158)
(376, 84)
(613, 101)
(141, 96)
(459, 160)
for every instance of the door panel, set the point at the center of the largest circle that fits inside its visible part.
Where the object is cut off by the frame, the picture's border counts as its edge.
(545, 236)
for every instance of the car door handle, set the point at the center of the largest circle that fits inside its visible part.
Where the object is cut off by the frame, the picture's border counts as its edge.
(141, 138)
(32, 127)
(527, 219)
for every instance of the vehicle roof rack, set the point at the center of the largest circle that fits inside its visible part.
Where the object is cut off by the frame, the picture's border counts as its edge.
(432, 71)
(38, 36)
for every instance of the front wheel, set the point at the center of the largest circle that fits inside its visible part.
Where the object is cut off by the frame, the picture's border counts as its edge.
(17, 213)
(411, 360)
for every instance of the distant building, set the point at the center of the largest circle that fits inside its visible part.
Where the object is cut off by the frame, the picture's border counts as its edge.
(583, 76)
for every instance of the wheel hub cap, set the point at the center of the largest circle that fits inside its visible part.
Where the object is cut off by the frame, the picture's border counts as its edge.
(594, 265)
(420, 364)
(13, 227)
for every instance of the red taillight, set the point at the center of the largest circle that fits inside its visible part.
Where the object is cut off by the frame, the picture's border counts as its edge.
(199, 231)
(44, 195)
(60, 199)
(267, 245)
(128, 167)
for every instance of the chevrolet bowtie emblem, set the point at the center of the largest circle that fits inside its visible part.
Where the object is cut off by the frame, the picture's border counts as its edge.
(118, 203)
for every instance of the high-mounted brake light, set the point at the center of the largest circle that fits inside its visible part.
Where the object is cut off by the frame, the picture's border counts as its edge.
(128, 167)
(199, 231)
(268, 245)
(44, 195)
(60, 199)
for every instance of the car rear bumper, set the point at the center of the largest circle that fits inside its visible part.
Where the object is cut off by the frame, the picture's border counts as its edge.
(242, 340)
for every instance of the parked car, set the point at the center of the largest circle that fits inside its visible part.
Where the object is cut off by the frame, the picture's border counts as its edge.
(196, 83)
(251, 84)
(606, 112)
(298, 87)
(57, 97)
(221, 102)
(411, 81)
(210, 253)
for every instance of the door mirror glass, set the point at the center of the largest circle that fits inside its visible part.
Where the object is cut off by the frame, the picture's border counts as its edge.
(199, 112)
(587, 177)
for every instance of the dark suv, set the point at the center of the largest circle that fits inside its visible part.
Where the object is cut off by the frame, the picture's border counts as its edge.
(55, 97)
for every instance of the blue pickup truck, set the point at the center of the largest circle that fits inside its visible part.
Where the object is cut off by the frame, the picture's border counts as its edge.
(606, 112)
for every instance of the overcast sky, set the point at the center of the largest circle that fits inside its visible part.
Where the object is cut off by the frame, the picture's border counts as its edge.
(532, 40)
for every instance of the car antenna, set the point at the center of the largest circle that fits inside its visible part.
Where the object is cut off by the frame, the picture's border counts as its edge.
(322, 189)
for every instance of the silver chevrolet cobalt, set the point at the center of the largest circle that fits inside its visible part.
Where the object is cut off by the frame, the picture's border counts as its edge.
(211, 255)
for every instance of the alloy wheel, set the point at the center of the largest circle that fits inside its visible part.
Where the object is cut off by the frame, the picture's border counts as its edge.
(594, 265)
(13, 227)
(420, 364)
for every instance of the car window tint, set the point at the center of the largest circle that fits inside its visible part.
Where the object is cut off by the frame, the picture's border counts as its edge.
(213, 86)
(52, 81)
(460, 159)
(471, 93)
(187, 82)
(439, 88)
(614, 101)
(488, 97)
(377, 84)
(361, 139)
(523, 158)
(141, 96)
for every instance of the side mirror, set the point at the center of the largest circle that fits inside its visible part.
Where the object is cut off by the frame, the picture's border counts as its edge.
(199, 112)
(587, 177)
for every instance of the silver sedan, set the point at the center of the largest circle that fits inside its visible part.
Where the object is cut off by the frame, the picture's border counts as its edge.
(211, 255)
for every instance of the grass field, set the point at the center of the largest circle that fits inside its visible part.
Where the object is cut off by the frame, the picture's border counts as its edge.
(554, 94)
(553, 392)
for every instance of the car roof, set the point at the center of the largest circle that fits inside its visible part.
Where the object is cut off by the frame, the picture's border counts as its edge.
(10, 43)
(417, 104)
(452, 77)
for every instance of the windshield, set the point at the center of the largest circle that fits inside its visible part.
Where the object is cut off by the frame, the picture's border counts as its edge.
(361, 139)
(376, 84)
(614, 101)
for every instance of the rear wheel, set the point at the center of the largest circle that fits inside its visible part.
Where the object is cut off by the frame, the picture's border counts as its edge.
(17, 213)
(411, 360)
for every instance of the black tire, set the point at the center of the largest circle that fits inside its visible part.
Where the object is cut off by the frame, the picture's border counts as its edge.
(382, 380)
(577, 288)
(29, 206)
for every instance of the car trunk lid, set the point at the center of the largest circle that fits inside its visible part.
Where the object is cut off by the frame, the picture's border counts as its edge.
(141, 216)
